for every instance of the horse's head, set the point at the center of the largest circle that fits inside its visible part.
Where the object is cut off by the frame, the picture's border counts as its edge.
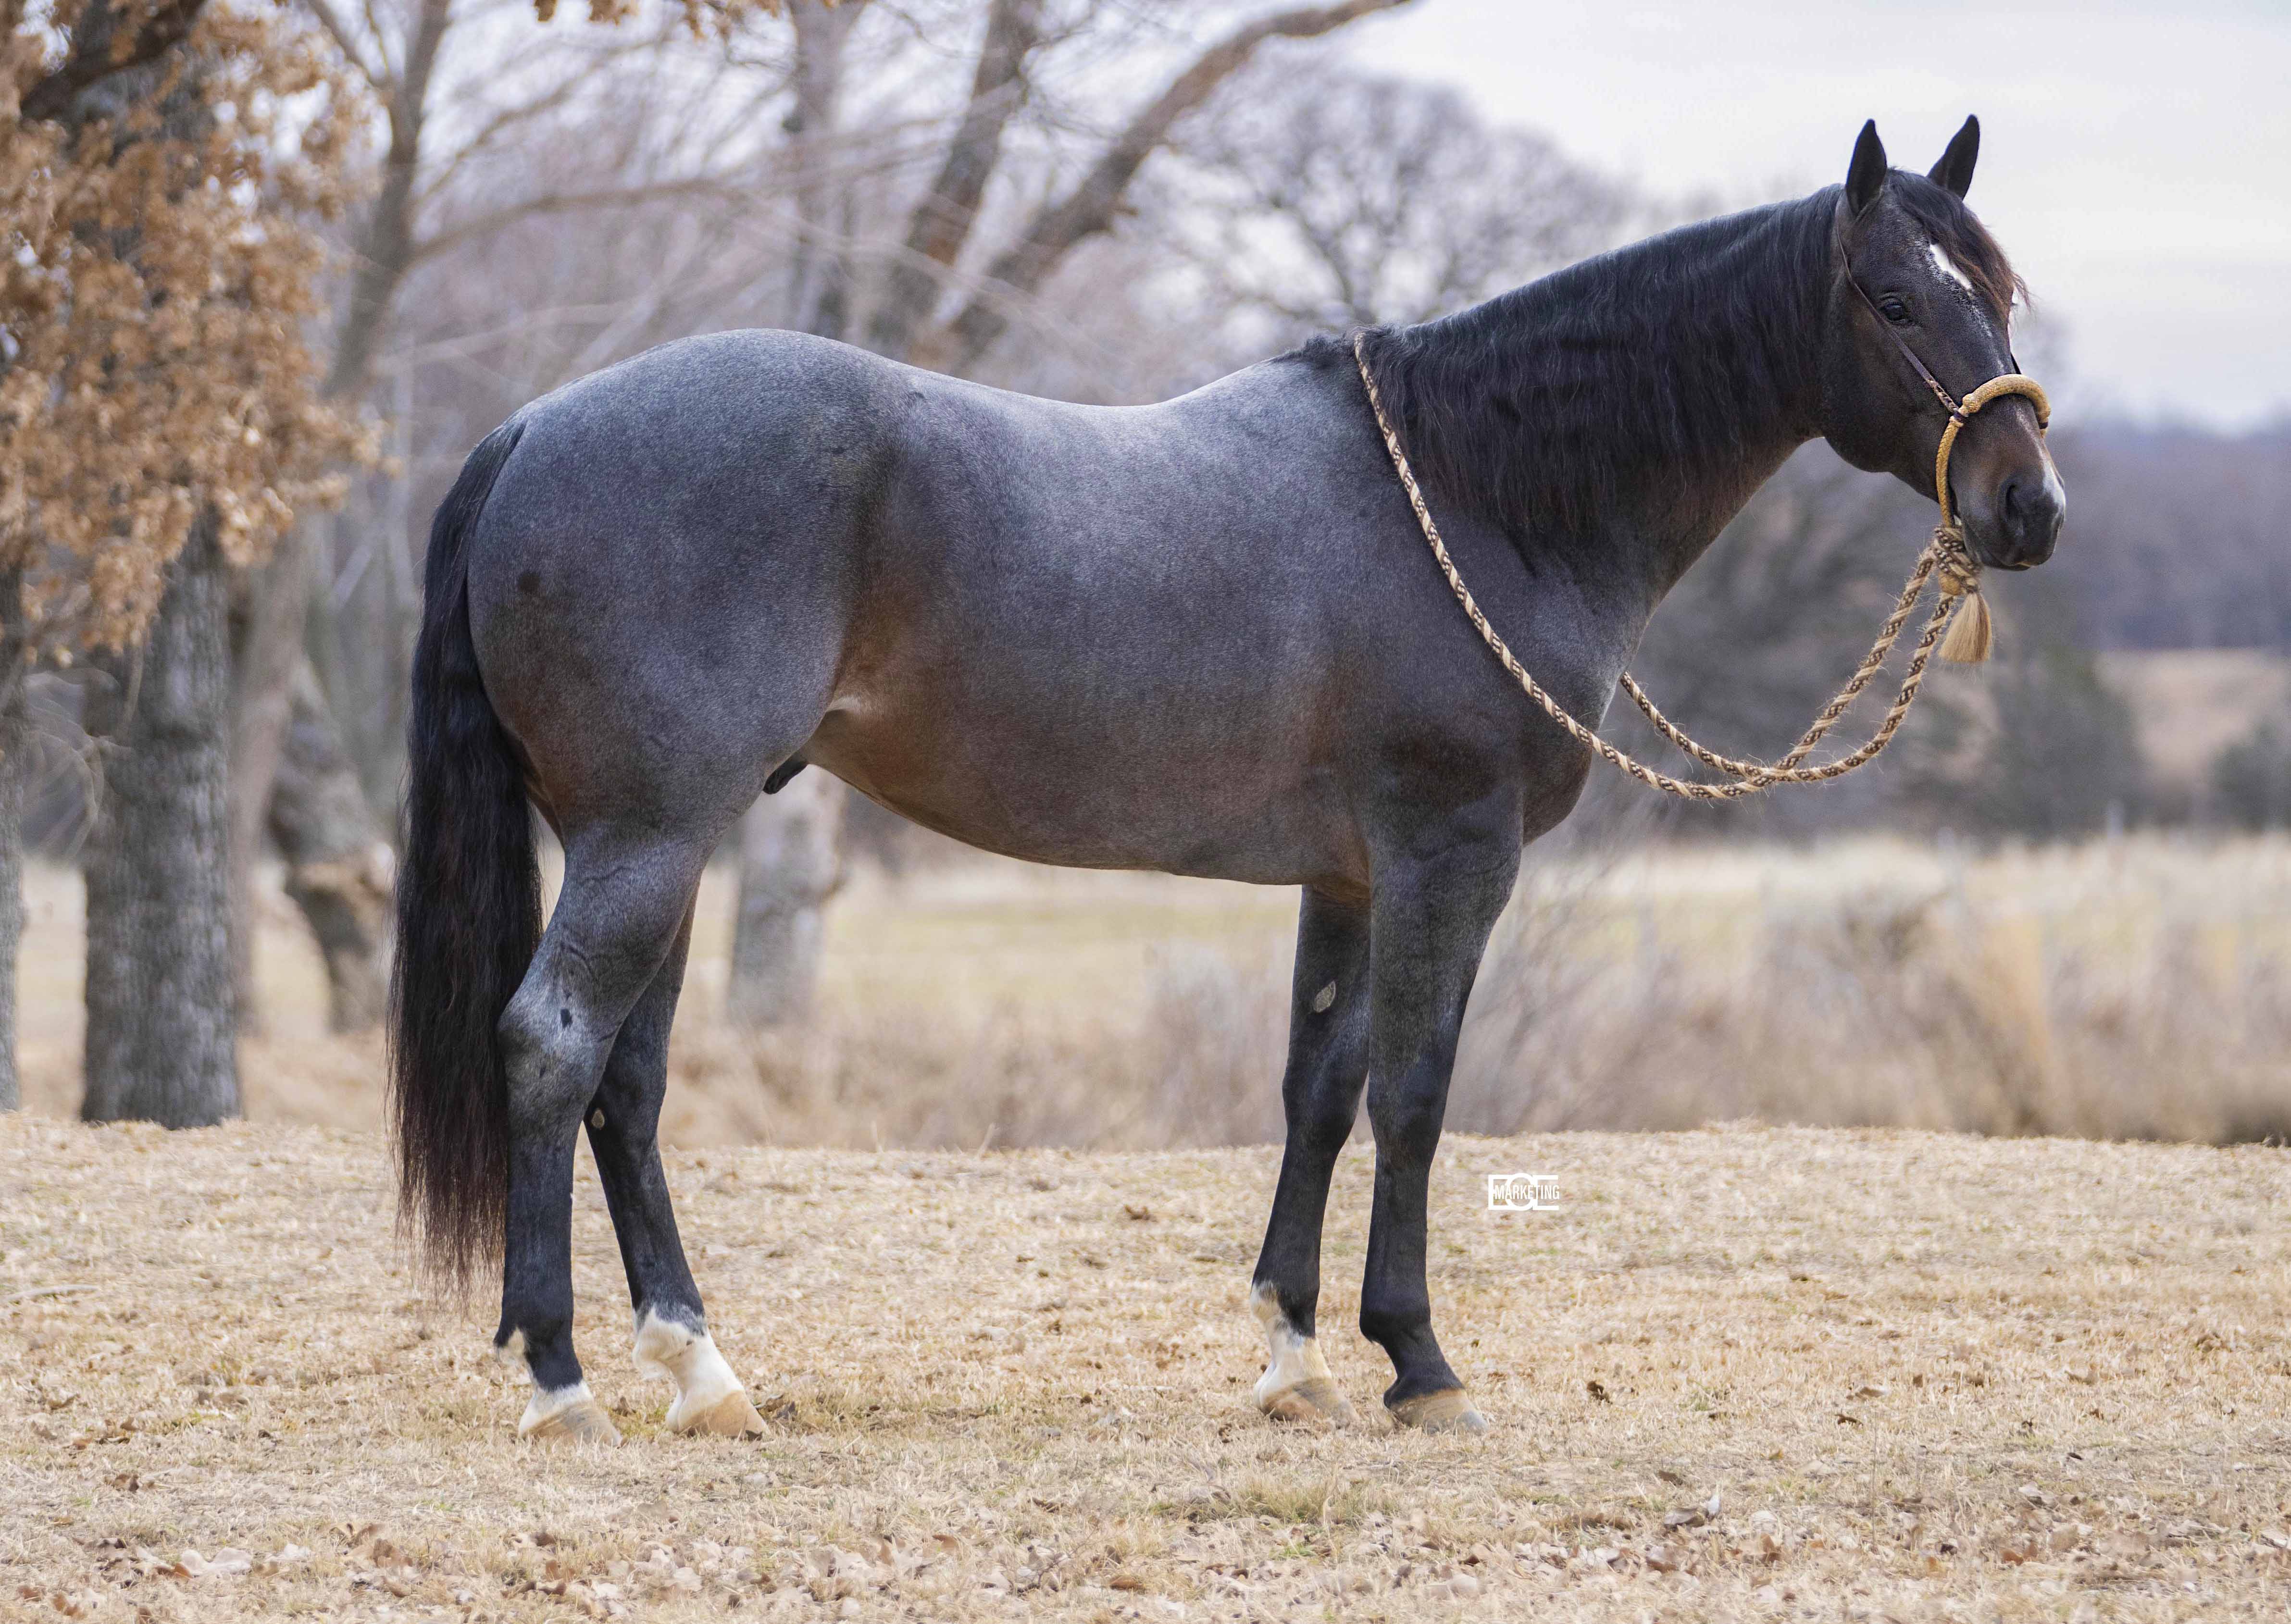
(1921, 308)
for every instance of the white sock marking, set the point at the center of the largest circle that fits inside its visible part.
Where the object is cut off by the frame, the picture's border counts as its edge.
(1292, 1359)
(689, 1359)
(547, 1403)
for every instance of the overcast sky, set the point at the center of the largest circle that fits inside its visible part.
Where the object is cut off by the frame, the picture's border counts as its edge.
(2135, 160)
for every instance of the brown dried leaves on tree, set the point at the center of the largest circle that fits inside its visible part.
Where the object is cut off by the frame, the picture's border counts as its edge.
(702, 16)
(157, 271)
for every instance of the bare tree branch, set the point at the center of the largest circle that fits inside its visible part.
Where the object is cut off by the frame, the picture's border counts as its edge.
(1090, 206)
(567, 203)
(386, 249)
(942, 221)
(505, 121)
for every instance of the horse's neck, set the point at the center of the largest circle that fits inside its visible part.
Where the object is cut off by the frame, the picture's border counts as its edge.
(1612, 417)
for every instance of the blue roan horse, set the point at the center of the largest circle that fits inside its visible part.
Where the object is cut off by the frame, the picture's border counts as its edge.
(1203, 637)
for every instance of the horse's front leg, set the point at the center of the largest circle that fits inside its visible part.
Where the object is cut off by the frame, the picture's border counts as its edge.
(671, 1329)
(619, 915)
(1320, 1095)
(1430, 924)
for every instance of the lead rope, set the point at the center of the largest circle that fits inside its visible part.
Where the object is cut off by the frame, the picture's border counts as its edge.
(1945, 555)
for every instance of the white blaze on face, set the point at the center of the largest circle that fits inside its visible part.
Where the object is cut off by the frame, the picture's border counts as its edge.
(689, 1359)
(1948, 267)
(1292, 1359)
(1952, 272)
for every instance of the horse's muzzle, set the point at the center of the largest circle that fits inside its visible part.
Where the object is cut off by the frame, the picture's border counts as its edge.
(2026, 522)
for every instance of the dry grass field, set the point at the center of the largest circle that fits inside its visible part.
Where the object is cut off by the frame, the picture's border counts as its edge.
(1744, 1373)
(2134, 988)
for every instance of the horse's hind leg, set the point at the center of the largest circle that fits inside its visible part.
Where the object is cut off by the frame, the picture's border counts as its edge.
(624, 902)
(1320, 1095)
(671, 1329)
(1432, 916)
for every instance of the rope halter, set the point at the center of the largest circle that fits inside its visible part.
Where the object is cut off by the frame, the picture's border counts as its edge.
(1946, 556)
(1970, 632)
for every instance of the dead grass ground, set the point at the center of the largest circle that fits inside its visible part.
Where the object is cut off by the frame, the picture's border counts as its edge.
(1741, 1374)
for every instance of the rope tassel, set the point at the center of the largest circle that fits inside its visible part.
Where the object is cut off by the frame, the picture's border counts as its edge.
(1971, 630)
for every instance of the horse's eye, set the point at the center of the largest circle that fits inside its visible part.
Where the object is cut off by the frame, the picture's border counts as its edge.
(1894, 312)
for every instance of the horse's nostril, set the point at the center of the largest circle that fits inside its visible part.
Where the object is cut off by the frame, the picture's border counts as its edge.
(2029, 514)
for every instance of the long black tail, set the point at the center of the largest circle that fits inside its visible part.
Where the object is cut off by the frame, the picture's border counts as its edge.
(469, 912)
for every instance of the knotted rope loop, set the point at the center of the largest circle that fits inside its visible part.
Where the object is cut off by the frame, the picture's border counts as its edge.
(1970, 633)
(1945, 556)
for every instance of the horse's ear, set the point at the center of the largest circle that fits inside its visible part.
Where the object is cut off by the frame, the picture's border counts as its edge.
(1954, 171)
(1865, 177)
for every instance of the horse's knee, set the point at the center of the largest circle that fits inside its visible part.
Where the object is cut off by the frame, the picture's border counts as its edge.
(1407, 1121)
(1320, 1118)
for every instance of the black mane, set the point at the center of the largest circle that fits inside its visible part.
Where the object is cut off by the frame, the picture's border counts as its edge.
(1633, 373)
(1539, 408)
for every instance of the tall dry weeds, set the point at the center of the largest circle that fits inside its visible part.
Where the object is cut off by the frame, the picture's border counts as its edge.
(2120, 990)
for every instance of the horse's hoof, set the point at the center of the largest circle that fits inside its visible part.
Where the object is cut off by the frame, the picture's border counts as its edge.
(583, 1420)
(1446, 1410)
(1314, 1399)
(729, 1417)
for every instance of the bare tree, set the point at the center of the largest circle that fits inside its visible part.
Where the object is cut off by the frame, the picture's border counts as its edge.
(1088, 208)
(1326, 198)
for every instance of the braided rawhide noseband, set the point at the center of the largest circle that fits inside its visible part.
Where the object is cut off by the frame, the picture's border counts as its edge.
(1967, 642)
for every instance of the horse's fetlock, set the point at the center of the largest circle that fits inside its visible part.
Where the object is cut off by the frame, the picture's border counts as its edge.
(1270, 1301)
(664, 1333)
(673, 1340)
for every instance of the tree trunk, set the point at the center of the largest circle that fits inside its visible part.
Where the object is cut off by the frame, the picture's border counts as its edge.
(161, 1036)
(339, 869)
(946, 214)
(791, 843)
(266, 647)
(820, 300)
(791, 863)
(16, 737)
